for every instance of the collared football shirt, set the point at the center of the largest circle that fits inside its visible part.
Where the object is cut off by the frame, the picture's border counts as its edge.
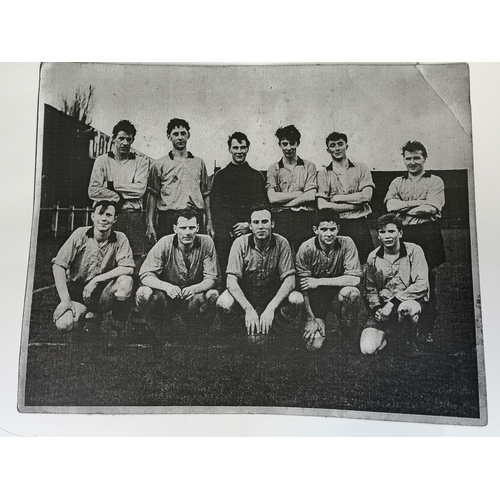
(130, 179)
(353, 180)
(167, 261)
(84, 258)
(179, 184)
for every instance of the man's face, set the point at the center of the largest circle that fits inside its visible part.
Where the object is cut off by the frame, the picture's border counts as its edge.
(123, 142)
(239, 151)
(389, 235)
(415, 162)
(288, 148)
(261, 224)
(186, 230)
(103, 219)
(326, 232)
(179, 137)
(337, 149)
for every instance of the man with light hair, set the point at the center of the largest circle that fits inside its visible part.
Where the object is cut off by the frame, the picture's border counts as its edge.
(178, 276)
(261, 278)
(92, 272)
(397, 287)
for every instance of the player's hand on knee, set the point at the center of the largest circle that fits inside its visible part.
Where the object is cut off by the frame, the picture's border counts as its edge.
(62, 308)
(188, 292)
(252, 322)
(384, 312)
(173, 291)
(266, 320)
(88, 289)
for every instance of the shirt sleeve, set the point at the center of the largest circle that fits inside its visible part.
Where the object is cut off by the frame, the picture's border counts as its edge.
(124, 255)
(352, 266)
(210, 260)
(154, 182)
(302, 263)
(261, 195)
(97, 185)
(435, 196)
(311, 178)
(136, 188)
(372, 295)
(419, 277)
(272, 178)
(285, 262)
(394, 191)
(365, 177)
(205, 180)
(323, 185)
(68, 251)
(235, 262)
(154, 263)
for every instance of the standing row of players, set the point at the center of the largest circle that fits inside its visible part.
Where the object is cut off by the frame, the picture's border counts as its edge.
(179, 181)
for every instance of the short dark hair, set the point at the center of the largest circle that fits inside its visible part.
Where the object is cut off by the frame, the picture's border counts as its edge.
(289, 132)
(413, 147)
(327, 215)
(238, 136)
(390, 218)
(187, 213)
(336, 136)
(177, 122)
(124, 126)
(257, 208)
(104, 204)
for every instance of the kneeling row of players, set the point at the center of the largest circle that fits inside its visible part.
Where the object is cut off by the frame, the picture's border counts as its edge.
(93, 275)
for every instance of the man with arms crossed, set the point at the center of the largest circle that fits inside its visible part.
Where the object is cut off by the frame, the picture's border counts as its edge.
(347, 188)
(397, 285)
(122, 176)
(178, 276)
(261, 277)
(98, 264)
(329, 272)
(235, 189)
(291, 189)
(177, 181)
(418, 197)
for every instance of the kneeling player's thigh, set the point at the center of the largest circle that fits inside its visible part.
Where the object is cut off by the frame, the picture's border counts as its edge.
(410, 308)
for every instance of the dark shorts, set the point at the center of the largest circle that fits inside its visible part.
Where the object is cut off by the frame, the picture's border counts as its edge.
(430, 238)
(323, 300)
(296, 227)
(132, 223)
(359, 231)
(76, 293)
(167, 219)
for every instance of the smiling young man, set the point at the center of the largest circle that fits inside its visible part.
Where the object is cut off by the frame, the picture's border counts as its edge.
(122, 176)
(92, 271)
(178, 181)
(418, 197)
(291, 189)
(235, 189)
(329, 273)
(397, 285)
(261, 277)
(178, 276)
(347, 188)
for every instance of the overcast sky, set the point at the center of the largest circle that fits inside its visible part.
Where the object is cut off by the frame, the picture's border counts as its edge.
(378, 107)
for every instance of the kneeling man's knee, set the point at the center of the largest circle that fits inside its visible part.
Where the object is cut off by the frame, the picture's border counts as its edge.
(225, 302)
(409, 309)
(296, 299)
(143, 296)
(124, 286)
(349, 294)
(371, 340)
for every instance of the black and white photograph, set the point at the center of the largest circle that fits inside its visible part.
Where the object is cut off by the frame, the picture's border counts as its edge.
(286, 239)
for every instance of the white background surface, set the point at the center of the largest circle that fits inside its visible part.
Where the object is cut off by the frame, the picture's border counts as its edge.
(382, 31)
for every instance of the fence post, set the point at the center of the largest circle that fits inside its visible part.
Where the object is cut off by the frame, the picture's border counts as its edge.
(55, 220)
(71, 218)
